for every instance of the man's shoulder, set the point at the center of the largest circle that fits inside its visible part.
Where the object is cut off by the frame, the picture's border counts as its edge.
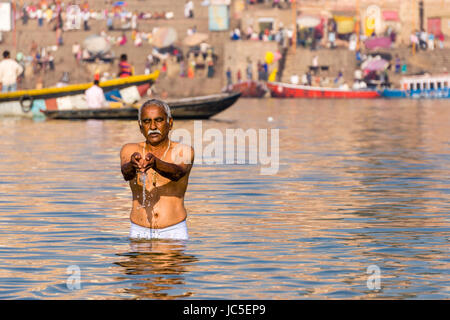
(181, 146)
(182, 153)
(89, 91)
(130, 147)
(93, 89)
(10, 61)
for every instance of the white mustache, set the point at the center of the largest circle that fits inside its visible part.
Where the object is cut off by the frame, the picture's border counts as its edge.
(153, 131)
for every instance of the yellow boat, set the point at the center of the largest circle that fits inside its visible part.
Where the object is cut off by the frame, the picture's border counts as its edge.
(29, 103)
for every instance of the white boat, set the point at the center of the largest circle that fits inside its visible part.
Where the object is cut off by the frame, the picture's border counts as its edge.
(421, 87)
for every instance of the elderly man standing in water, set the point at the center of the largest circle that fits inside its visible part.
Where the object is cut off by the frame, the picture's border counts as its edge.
(158, 171)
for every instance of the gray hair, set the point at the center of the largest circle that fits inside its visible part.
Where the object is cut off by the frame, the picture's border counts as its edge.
(155, 102)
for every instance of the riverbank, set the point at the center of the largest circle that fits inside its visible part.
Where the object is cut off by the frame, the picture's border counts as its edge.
(230, 54)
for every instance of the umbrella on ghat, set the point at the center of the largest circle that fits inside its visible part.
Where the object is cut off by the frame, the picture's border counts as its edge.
(96, 44)
(195, 39)
(164, 37)
(376, 64)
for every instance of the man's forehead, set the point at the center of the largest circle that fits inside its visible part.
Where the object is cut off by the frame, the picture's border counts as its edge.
(153, 108)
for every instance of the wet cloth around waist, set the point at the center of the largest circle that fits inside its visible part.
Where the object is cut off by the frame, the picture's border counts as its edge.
(177, 231)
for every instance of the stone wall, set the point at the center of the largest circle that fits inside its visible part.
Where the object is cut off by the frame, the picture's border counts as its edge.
(236, 54)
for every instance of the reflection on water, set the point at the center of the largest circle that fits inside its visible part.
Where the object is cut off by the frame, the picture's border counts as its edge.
(157, 268)
(360, 183)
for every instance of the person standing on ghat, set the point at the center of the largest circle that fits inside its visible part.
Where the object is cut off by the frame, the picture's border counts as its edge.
(9, 71)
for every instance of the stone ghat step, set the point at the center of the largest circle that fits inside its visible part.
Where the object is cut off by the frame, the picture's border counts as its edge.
(46, 36)
(336, 60)
(145, 25)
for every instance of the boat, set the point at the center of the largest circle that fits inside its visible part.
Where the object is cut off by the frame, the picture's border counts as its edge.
(421, 87)
(249, 89)
(285, 90)
(202, 107)
(29, 103)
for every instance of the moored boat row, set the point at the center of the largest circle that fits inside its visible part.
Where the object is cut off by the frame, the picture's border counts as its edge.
(415, 87)
(69, 102)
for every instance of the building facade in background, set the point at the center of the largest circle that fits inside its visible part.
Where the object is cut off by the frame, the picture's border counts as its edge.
(375, 17)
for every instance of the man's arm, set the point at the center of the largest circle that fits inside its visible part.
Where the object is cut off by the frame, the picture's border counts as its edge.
(120, 70)
(19, 70)
(104, 103)
(128, 171)
(129, 164)
(171, 171)
(183, 157)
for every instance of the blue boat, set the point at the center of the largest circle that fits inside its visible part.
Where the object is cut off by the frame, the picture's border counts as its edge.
(421, 87)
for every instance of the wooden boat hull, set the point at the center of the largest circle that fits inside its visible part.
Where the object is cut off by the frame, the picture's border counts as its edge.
(28, 103)
(249, 89)
(284, 90)
(189, 108)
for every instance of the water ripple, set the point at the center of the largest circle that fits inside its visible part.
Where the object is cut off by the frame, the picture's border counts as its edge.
(359, 184)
